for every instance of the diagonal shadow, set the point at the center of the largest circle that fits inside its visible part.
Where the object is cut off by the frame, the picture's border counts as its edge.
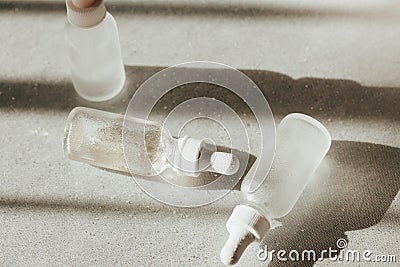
(95, 205)
(194, 8)
(363, 181)
(100, 205)
(320, 98)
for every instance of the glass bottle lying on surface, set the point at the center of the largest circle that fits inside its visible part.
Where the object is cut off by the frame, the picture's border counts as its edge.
(302, 143)
(96, 137)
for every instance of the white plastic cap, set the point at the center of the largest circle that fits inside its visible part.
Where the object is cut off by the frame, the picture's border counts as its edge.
(224, 163)
(82, 15)
(244, 225)
(193, 156)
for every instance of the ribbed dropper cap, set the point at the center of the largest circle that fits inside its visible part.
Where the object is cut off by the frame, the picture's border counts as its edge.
(244, 225)
(84, 13)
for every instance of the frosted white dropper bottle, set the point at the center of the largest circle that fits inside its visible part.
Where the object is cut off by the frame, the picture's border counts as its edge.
(302, 143)
(95, 137)
(94, 51)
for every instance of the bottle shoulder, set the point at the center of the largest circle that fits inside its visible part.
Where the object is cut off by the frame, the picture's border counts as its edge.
(105, 28)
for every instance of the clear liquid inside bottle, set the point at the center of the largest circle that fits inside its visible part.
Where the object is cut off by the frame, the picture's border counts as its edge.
(101, 139)
(95, 137)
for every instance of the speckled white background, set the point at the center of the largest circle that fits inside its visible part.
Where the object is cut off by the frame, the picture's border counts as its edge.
(55, 212)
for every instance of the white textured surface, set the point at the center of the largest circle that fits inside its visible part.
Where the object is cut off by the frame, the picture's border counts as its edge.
(57, 212)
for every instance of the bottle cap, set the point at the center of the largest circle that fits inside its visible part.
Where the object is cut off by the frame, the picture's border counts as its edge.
(193, 156)
(82, 16)
(224, 163)
(244, 225)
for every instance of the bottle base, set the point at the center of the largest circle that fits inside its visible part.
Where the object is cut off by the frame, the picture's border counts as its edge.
(103, 97)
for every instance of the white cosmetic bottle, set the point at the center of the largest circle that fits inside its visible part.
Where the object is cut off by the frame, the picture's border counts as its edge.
(302, 143)
(94, 51)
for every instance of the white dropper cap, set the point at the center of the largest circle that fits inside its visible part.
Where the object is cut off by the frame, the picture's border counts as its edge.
(245, 225)
(193, 156)
(224, 163)
(85, 13)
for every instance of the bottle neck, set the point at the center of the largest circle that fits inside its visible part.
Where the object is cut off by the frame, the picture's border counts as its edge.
(192, 156)
(262, 209)
(86, 16)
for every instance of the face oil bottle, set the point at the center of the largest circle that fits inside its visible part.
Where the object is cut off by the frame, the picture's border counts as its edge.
(302, 143)
(94, 52)
(96, 137)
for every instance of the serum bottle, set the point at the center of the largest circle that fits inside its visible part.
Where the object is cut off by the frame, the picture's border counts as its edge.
(94, 52)
(302, 143)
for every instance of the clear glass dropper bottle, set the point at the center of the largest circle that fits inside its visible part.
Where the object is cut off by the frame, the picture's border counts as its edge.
(302, 143)
(95, 137)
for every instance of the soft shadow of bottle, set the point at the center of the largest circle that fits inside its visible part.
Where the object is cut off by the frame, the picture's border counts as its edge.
(362, 182)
